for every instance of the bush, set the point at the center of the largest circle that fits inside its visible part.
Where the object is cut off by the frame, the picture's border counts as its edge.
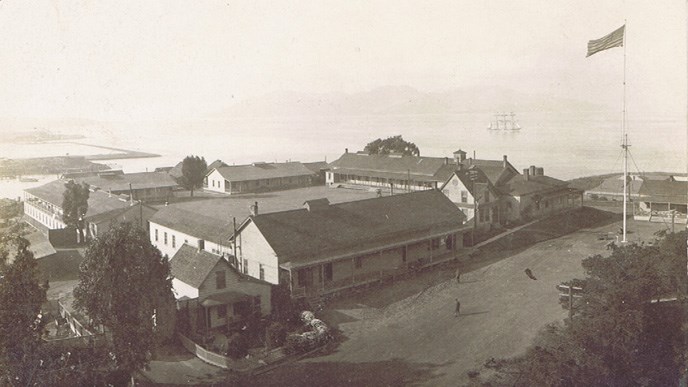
(594, 196)
(275, 335)
(237, 346)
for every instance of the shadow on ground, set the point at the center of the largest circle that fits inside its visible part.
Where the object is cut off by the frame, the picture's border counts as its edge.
(62, 266)
(393, 372)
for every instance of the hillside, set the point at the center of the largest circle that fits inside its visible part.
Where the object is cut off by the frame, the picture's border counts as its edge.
(403, 100)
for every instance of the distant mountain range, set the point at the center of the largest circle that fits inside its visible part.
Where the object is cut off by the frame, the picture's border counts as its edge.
(393, 100)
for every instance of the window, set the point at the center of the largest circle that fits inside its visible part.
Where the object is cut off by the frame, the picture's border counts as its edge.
(156, 234)
(174, 241)
(435, 243)
(220, 280)
(245, 266)
(464, 197)
(358, 262)
(165, 238)
(487, 196)
(222, 311)
(262, 271)
(449, 242)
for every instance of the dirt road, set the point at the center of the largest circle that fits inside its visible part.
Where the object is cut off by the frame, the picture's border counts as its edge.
(403, 336)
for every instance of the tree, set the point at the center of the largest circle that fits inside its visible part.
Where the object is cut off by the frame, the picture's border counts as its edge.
(617, 335)
(394, 144)
(21, 298)
(193, 173)
(125, 285)
(75, 206)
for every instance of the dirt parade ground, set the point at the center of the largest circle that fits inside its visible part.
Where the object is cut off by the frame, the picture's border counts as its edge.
(408, 334)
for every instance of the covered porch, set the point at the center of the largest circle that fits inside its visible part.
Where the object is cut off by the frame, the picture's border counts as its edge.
(338, 273)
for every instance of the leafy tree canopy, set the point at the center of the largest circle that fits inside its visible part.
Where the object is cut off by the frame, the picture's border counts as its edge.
(75, 205)
(394, 144)
(125, 285)
(193, 173)
(617, 335)
(21, 298)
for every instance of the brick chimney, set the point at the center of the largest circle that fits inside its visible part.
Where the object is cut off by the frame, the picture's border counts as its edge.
(505, 163)
(254, 209)
(526, 174)
(532, 170)
(346, 150)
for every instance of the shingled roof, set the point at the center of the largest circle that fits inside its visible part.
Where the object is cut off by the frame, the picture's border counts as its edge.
(200, 226)
(302, 236)
(475, 181)
(497, 171)
(192, 266)
(664, 191)
(259, 171)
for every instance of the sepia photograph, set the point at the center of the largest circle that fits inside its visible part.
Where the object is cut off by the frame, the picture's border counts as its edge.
(344, 193)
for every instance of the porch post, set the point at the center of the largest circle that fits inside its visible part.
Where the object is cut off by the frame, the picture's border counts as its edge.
(353, 270)
(322, 277)
(432, 247)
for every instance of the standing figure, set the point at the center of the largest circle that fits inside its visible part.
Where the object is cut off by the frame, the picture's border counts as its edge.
(458, 275)
(458, 308)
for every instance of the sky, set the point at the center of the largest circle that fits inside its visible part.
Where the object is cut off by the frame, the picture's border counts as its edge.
(178, 60)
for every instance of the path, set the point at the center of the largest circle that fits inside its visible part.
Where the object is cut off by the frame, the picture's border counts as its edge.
(417, 340)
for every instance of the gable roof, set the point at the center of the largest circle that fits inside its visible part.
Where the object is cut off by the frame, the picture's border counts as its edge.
(98, 202)
(518, 185)
(316, 166)
(200, 226)
(475, 181)
(302, 236)
(120, 183)
(495, 170)
(614, 185)
(192, 266)
(259, 171)
(127, 214)
(394, 166)
(664, 191)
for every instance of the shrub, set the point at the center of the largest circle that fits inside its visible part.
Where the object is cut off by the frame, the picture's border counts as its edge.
(237, 346)
(294, 344)
(594, 196)
(275, 334)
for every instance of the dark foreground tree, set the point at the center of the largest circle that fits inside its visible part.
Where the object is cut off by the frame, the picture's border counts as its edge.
(193, 173)
(394, 144)
(21, 298)
(75, 206)
(125, 285)
(619, 335)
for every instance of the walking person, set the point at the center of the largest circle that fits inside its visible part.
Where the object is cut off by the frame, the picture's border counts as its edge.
(458, 308)
(458, 275)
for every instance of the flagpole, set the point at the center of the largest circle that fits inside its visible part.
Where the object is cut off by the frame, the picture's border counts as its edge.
(624, 135)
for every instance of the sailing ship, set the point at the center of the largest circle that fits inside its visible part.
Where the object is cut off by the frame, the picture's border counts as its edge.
(504, 121)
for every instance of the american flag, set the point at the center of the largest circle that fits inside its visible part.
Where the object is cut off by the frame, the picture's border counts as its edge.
(615, 39)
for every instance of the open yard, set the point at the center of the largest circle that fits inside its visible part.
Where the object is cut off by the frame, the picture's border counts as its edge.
(407, 334)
